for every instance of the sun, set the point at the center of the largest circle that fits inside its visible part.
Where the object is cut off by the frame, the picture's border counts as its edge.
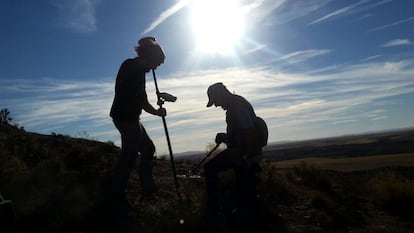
(217, 25)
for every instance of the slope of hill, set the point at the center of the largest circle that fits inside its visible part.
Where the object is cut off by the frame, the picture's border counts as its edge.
(51, 179)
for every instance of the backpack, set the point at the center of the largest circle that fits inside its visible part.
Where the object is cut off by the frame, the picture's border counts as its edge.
(262, 131)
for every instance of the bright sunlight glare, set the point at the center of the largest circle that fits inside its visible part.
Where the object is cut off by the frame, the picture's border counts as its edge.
(217, 24)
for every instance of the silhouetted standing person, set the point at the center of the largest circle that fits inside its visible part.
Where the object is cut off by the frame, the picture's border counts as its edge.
(129, 101)
(243, 152)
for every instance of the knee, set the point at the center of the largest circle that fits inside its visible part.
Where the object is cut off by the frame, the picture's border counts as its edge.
(150, 150)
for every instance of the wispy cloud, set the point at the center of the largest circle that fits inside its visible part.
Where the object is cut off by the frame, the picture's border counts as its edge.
(397, 42)
(276, 12)
(324, 103)
(340, 11)
(47, 105)
(362, 5)
(76, 15)
(391, 24)
(166, 14)
(301, 56)
(259, 47)
(372, 57)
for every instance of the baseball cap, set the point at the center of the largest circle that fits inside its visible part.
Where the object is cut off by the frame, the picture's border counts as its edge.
(213, 91)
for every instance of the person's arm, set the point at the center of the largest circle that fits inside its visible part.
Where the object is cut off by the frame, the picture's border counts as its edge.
(151, 110)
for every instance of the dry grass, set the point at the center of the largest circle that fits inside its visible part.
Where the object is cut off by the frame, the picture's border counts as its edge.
(352, 164)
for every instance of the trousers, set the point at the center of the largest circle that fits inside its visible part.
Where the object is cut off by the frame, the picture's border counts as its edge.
(245, 182)
(135, 141)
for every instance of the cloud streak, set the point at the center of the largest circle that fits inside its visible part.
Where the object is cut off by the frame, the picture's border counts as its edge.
(391, 24)
(397, 42)
(277, 12)
(340, 11)
(166, 14)
(362, 5)
(372, 57)
(301, 56)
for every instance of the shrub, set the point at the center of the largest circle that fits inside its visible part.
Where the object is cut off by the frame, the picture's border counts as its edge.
(394, 194)
(313, 177)
(5, 116)
(273, 187)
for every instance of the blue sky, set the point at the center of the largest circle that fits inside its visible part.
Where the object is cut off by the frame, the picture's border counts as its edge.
(311, 68)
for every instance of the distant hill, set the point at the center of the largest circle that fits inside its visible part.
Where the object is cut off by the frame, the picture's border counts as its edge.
(380, 143)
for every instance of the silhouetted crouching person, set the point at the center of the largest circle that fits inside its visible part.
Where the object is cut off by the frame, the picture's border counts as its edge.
(243, 152)
(129, 101)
